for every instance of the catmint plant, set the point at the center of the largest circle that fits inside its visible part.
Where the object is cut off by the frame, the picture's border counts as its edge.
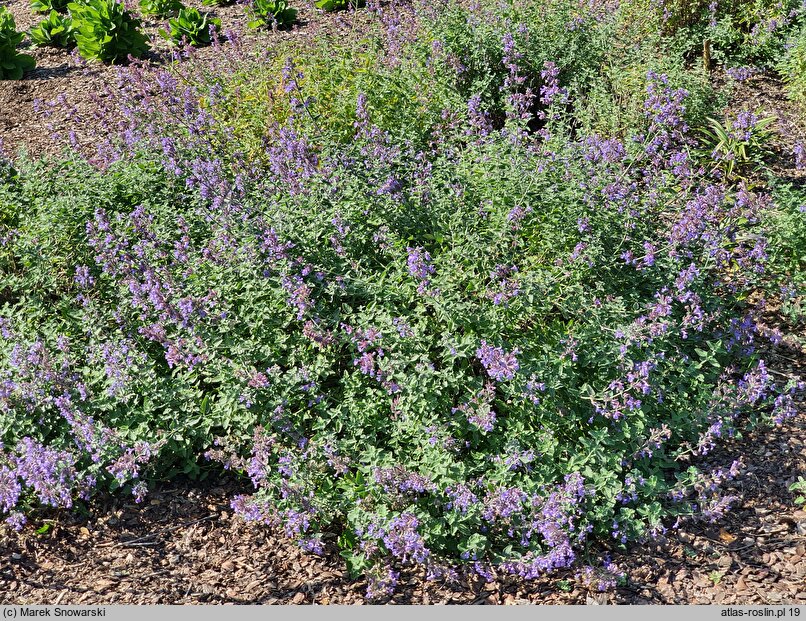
(470, 344)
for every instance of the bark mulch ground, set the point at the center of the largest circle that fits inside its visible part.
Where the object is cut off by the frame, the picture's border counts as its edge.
(184, 545)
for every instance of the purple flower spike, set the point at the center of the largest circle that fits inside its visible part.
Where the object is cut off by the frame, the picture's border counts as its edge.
(498, 364)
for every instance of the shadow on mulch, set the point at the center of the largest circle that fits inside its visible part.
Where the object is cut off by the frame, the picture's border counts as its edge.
(49, 73)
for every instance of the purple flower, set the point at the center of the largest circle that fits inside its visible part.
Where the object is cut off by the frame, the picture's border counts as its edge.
(128, 465)
(419, 264)
(51, 473)
(249, 509)
(480, 122)
(601, 579)
(741, 74)
(258, 467)
(10, 489)
(783, 409)
(479, 411)
(299, 294)
(503, 503)
(399, 480)
(532, 388)
(498, 364)
(139, 491)
(296, 522)
(83, 277)
(16, 520)
(366, 363)
(381, 583)
(503, 287)
(403, 540)
(744, 124)
(403, 328)
(462, 498)
(5, 329)
(519, 99)
(517, 214)
(285, 465)
(312, 545)
(483, 418)
(800, 156)
(551, 88)
(292, 160)
(715, 509)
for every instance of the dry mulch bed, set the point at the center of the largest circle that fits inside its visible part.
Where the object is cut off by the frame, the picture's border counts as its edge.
(185, 546)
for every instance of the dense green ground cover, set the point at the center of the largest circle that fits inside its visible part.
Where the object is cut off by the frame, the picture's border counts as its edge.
(470, 290)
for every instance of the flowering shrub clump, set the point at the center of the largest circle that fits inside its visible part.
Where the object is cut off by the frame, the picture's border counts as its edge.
(470, 350)
(748, 32)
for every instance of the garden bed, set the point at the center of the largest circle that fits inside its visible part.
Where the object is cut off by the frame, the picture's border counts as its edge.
(416, 322)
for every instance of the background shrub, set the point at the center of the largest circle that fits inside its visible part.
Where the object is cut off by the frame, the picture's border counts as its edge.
(160, 8)
(12, 64)
(338, 5)
(787, 241)
(268, 13)
(792, 67)
(745, 32)
(46, 6)
(192, 26)
(106, 31)
(55, 30)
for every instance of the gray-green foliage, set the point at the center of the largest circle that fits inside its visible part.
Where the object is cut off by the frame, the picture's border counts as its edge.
(469, 322)
(792, 67)
(56, 199)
